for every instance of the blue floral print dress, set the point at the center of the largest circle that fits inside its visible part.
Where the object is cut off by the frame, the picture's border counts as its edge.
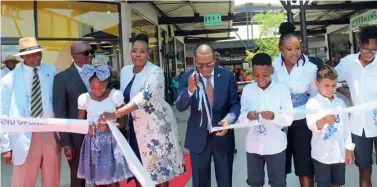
(154, 124)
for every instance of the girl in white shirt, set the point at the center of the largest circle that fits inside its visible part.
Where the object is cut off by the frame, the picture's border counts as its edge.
(299, 75)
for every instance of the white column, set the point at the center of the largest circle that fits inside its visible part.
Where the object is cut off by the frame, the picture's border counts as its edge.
(126, 32)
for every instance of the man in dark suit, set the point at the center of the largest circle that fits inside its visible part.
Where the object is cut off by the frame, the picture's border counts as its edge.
(68, 86)
(220, 91)
(231, 131)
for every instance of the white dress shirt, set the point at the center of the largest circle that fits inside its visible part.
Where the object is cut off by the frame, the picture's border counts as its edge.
(329, 143)
(28, 78)
(301, 80)
(362, 83)
(267, 138)
(205, 81)
(86, 81)
(4, 71)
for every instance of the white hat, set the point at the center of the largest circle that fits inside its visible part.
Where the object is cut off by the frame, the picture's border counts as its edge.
(28, 45)
(10, 58)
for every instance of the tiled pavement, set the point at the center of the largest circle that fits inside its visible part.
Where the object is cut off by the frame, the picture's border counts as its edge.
(239, 175)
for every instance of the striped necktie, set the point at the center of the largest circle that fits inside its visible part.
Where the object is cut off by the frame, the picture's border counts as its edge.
(36, 96)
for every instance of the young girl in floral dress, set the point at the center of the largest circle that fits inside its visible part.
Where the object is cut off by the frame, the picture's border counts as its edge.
(101, 163)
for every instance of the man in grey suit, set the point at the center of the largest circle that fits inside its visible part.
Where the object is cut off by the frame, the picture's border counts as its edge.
(68, 86)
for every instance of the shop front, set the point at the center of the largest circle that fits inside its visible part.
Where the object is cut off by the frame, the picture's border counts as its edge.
(57, 24)
(339, 45)
(108, 26)
(358, 20)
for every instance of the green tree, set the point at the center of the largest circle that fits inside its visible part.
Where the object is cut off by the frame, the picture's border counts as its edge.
(269, 23)
(267, 42)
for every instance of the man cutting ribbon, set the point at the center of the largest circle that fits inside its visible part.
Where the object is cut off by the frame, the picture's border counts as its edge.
(211, 92)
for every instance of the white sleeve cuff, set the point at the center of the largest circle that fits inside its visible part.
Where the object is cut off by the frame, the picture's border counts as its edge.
(350, 146)
(190, 94)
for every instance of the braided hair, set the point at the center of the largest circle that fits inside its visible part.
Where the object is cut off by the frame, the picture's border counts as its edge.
(287, 30)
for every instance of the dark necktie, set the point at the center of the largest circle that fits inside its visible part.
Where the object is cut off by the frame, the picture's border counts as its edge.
(36, 96)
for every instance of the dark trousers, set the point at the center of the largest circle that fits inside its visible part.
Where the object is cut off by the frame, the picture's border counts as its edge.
(201, 165)
(299, 147)
(275, 169)
(364, 150)
(74, 165)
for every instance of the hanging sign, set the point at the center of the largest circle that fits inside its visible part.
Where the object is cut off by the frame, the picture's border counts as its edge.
(212, 19)
(297, 2)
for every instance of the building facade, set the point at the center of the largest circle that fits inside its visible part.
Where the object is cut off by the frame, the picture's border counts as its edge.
(108, 26)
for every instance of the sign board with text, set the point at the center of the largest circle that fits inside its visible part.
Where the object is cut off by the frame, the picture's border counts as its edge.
(366, 18)
(212, 19)
(232, 58)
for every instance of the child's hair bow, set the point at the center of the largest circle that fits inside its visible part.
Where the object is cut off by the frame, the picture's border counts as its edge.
(102, 72)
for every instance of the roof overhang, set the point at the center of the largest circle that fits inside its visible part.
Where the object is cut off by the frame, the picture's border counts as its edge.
(187, 18)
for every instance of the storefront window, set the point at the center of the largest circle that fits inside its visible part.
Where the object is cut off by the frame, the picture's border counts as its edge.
(59, 24)
(318, 52)
(17, 18)
(181, 67)
(339, 45)
(355, 37)
(141, 25)
(71, 19)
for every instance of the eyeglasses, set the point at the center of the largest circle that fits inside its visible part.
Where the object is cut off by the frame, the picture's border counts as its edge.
(368, 51)
(86, 52)
(208, 65)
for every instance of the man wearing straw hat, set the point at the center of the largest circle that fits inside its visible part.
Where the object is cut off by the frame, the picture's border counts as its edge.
(9, 63)
(27, 92)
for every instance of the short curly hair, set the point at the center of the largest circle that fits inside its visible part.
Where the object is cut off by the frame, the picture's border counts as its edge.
(327, 72)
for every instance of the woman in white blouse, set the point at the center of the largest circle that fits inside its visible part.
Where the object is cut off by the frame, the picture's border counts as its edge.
(299, 75)
(154, 135)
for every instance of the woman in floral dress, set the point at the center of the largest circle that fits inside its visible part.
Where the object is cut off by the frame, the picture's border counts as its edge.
(154, 134)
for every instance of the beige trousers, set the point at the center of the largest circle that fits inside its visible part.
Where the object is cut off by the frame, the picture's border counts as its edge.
(44, 154)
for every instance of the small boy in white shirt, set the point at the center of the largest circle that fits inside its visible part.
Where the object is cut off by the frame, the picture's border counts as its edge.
(332, 146)
(268, 107)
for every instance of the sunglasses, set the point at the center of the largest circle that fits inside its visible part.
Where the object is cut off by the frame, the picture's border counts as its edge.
(87, 52)
(208, 65)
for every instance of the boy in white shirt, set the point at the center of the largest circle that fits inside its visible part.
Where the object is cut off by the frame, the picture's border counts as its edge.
(331, 141)
(268, 106)
(360, 72)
